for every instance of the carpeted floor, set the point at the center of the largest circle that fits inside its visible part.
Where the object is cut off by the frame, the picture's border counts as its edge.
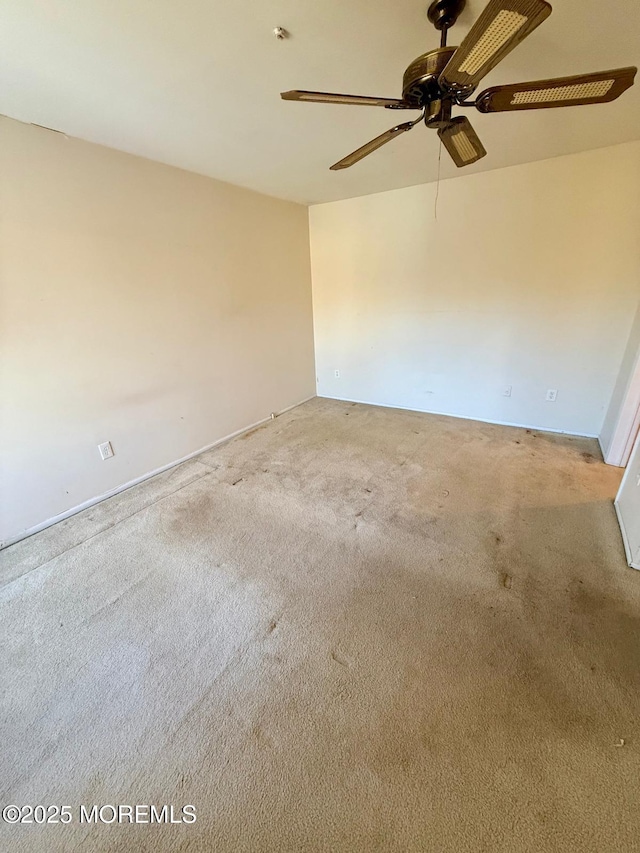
(354, 629)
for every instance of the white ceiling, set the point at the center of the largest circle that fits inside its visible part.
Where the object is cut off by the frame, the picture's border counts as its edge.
(195, 83)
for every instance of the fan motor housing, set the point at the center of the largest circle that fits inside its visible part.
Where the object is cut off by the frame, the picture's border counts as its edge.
(420, 80)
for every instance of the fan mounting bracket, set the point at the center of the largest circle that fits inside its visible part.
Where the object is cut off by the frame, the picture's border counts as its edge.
(444, 13)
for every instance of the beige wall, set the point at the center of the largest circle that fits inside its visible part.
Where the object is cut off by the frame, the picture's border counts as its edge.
(142, 305)
(529, 277)
(162, 311)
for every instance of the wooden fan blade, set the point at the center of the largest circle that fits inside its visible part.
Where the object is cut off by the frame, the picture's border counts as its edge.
(500, 28)
(330, 98)
(598, 88)
(461, 141)
(374, 144)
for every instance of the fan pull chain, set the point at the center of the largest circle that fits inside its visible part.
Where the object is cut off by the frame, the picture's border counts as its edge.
(435, 205)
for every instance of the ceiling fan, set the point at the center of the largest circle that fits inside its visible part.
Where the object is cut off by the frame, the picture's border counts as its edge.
(446, 77)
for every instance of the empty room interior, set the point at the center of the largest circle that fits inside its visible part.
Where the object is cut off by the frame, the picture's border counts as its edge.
(320, 471)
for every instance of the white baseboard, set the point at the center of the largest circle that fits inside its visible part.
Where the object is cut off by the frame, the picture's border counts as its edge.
(625, 538)
(116, 491)
(604, 455)
(461, 417)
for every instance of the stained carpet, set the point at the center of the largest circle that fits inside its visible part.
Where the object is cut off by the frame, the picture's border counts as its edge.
(353, 629)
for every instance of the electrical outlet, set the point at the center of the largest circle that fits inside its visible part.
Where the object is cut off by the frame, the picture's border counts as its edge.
(337, 374)
(105, 450)
(552, 395)
(506, 391)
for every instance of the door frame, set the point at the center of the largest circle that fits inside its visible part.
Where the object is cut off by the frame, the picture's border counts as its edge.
(634, 563)
(628, 422)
